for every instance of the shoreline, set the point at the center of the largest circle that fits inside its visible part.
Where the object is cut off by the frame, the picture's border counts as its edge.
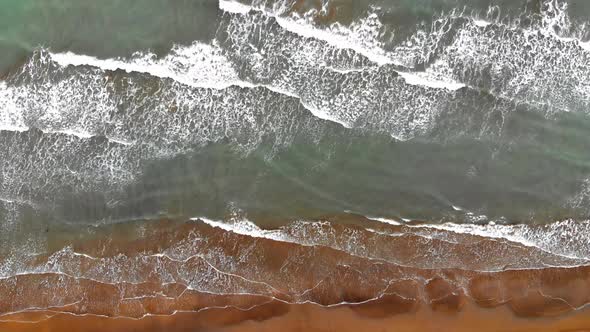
(193, 276)
(307, 317)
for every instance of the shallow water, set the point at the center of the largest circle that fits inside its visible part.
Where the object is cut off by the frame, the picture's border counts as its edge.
(445, 140)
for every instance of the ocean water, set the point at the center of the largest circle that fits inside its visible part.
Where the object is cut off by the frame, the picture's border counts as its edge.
(285, 120)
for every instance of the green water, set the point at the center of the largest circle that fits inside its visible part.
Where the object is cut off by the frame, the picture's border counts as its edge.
(526, 163)
(527, 181)
(107, 28)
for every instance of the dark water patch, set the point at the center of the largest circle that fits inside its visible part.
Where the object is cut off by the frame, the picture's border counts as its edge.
(13, 58)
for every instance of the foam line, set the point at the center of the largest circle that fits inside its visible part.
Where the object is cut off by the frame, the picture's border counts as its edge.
(163, 69)
(524, 234)
(233, 7)
(422, 79)
(305, 30)
(242, 227)
(342, 41)
(180, 65)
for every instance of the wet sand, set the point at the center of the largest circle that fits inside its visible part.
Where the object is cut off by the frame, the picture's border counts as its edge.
(316, 276)
(305, 317)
